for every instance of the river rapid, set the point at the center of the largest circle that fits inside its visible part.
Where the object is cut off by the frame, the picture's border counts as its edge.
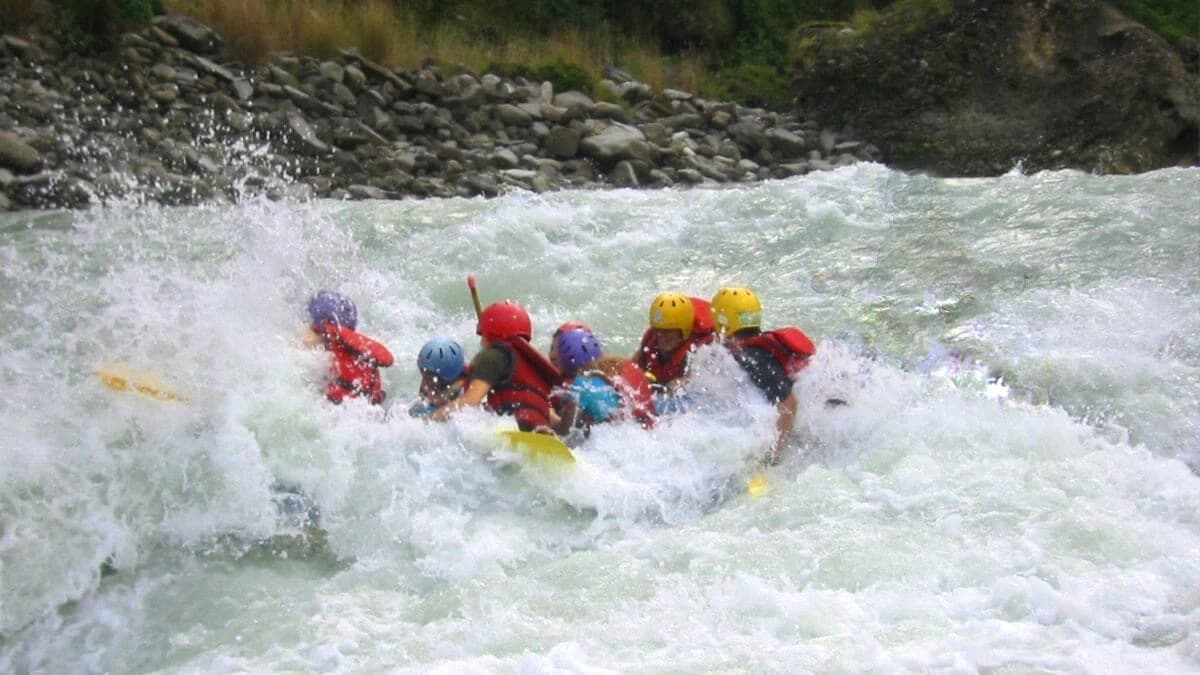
(1012, 486)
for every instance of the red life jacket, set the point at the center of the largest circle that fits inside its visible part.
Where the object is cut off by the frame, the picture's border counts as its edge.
(526, 393)
(703, 323)
(356, 363)
(635, 391)
(790, 347)
(674, 365)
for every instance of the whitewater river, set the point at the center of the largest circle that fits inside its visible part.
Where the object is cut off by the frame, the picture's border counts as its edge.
(1012, 487)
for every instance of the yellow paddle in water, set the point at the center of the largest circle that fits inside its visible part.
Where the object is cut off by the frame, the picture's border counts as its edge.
(758, 485)
(538, 446)
(120, 378)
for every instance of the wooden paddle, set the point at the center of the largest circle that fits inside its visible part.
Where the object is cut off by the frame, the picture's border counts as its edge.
(475, 296)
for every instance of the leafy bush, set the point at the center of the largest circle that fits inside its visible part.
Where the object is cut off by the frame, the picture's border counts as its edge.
(1174, 20)
(565, 75)
(755, 84)
(90, 23)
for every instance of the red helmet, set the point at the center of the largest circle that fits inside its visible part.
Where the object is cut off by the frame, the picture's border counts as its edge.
(570, 325)
(502, 320)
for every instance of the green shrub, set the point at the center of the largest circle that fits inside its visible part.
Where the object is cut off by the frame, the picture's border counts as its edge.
(90, 23)
(565, 75)
(755, 84)
(1174, 20)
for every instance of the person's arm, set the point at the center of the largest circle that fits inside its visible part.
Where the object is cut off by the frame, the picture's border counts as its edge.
(477, 390)
(365, 349)
(769, 376)
(783, 427)
(563, 415)
(489, 367)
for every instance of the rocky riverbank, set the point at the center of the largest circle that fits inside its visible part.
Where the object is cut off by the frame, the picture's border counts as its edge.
(163, 118)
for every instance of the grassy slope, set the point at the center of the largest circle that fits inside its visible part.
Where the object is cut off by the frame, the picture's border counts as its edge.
(729, 49)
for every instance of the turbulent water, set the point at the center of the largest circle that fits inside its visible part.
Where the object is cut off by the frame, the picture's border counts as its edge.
(1011, 488)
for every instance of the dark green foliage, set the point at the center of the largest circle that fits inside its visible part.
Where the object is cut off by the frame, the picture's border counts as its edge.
(746, 42)
(89, 24)
(1175, 20)
(755, 84)
(512, 16)
(563, 74)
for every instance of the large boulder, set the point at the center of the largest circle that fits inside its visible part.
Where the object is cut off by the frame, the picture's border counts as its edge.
(981, 87)
(615, 143)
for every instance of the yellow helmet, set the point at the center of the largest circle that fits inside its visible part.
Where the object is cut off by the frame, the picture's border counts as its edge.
(673, 311)
(735, 308)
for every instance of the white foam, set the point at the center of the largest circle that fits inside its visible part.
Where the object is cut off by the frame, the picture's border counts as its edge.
(930, 524)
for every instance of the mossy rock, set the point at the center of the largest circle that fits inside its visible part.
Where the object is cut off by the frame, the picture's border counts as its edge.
(979, 90)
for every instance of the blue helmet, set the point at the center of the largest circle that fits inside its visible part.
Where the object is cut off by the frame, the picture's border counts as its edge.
(576, 348)
(443, 357)
(332, 307)
(596, 397)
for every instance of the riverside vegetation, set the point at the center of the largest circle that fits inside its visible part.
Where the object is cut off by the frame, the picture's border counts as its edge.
(463, 97)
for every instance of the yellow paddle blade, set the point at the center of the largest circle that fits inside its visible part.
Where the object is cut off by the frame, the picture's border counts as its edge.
(119, 378)
(538, 446)
(758, 485)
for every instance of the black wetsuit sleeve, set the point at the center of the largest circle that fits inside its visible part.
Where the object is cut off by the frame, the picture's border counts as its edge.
(766, 373)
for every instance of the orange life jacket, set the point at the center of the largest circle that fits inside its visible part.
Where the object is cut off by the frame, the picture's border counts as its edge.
(526, 393)
(356, 363)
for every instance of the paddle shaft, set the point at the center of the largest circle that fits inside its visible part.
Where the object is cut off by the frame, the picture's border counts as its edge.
(475, 296)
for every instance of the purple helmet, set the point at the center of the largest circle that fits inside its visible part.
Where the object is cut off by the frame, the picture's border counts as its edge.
(576, 348)
(332, 307)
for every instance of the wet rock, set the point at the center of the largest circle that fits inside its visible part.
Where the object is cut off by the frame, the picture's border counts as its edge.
(367, 192)
(609, 111)
(511, 115)
(787, 143)
(333, 71)
(189, 33)
(304, 138)
(616, 142)
(623, 175)
(242, 88)
(574, 99)
(18, 155)
(562, 142)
